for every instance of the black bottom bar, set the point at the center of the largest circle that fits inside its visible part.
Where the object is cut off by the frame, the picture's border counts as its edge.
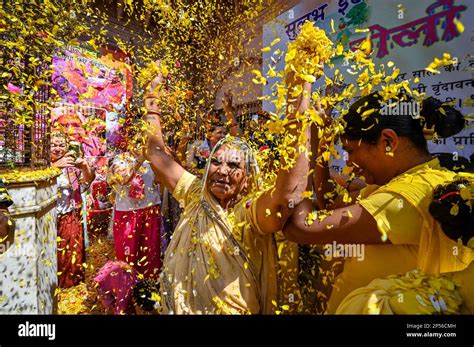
(223, 330)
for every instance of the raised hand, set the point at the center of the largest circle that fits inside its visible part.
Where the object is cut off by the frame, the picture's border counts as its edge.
(227, 99)
(80, 163)
(67, 160)
(88, 172)
(157, 81)
(335, 88)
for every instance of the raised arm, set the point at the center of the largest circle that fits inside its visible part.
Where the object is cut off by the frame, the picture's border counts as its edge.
(87, 171)
(347, 225)
(181, 150)
(122, 173)
(347, 222)
(165, 168)
(234, 128)
(324, 181)
(274, 206)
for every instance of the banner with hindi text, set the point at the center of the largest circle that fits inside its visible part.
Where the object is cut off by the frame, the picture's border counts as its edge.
(409, 33)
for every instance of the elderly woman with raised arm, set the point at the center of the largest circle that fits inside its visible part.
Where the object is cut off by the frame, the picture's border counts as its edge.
(222, 257)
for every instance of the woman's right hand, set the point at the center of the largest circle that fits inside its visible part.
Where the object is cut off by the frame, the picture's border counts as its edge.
(227, 99)
(153, 91)
(157, 81)
(65, 161)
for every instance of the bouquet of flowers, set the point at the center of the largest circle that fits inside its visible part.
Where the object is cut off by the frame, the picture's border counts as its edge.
(308, 53)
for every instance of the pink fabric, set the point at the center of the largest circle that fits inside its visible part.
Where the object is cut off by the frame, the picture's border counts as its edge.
(115, 282)
(71, 251)
(137, 239)
(73, 174)
(137, 187)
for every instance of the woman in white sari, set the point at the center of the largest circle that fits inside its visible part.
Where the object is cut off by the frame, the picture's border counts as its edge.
(222, 256)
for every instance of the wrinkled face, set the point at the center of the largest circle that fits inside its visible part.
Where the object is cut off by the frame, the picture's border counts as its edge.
(227, 173)
(58, 147)
(216, 135)
(368, 160)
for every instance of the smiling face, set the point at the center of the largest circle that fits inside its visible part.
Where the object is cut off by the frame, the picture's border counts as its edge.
(58, 147)
(227, 175)
(368, 160)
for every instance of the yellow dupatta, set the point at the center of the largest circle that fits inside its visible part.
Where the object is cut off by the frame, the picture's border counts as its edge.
(214, 265)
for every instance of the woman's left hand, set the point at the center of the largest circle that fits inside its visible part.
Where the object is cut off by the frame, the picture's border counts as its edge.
(82, 164)
(88, 173)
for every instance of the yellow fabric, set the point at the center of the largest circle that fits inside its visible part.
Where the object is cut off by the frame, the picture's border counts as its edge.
(432, 253)
(288, 269)
(212, 267)
(412, 293)
(373, 299)
(395, 217)
(379, 262)
(437, 253)
(417, 292)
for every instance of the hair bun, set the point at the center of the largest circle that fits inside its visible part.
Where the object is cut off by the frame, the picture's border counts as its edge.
(446, 120)
(455, 226)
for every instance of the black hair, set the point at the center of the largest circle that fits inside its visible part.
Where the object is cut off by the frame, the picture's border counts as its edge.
(458, 225)
(142, 293)
(459, 164)
(446, 120)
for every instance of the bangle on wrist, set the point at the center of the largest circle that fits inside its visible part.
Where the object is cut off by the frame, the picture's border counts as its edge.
(151, 96)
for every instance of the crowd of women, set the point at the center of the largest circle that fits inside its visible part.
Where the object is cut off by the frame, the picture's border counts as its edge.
(413, 217)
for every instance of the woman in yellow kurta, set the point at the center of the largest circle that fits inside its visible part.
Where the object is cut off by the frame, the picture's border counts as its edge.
(222, 257)
(419, 293)
(390, 217)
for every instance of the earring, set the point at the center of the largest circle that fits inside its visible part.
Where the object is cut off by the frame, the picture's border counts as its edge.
(388, 151)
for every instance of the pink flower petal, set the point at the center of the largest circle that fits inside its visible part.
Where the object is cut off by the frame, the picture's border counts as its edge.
(13, 88)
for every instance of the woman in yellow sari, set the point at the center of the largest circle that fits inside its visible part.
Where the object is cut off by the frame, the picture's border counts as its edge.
(389, 221)
(222, 256)
(419, 293)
